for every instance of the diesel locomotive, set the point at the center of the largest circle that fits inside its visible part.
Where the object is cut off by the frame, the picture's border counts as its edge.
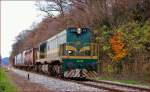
(69, 54)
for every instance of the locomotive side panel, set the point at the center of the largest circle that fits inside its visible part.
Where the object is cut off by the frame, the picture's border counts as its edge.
(53, 45)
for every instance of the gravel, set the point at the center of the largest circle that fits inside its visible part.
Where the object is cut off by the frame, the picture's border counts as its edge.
(124, 89)
(23, 85)
(57, 84)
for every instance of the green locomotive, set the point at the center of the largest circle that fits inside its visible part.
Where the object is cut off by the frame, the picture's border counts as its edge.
(69, 54)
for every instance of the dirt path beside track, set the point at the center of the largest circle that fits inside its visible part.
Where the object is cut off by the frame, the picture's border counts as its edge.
(24, 85)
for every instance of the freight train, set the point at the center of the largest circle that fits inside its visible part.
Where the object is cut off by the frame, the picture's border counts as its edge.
(69, 54)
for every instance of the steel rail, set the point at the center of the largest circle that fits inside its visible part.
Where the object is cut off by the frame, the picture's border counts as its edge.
(122, 85)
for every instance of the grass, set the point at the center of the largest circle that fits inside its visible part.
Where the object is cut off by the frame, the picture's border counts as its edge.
(5, 83)
(126, 81)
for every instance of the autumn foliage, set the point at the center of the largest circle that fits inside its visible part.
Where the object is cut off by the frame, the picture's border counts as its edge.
(118, 47)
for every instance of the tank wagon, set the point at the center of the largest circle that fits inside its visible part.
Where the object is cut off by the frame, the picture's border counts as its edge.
(68, 54)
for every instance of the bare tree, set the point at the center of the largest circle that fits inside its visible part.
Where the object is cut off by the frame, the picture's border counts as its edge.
(53, 7)
(23, 35)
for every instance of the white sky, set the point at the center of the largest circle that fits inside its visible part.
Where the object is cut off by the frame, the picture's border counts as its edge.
(16, 16)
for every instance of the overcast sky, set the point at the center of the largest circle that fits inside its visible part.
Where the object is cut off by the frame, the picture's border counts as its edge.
(16, 16)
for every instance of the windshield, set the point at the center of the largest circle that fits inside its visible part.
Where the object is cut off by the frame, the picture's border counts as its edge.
(76, 50)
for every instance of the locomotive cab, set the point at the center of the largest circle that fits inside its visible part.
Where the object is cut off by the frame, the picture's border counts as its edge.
(41, 53)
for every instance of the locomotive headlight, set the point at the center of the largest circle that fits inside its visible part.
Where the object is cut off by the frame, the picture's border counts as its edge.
(69, 51)
(79, 31)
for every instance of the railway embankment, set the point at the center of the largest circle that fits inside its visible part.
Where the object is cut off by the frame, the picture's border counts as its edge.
(51, 84)
(54, 84)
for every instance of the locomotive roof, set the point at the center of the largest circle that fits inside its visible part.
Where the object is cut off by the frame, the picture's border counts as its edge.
(58, 34)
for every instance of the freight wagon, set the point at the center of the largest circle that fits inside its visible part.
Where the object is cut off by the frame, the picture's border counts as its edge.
(19, 59)
(26, 59)
(68, 54)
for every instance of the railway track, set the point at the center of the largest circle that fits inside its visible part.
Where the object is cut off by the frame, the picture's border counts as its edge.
(139, 88)
(113, 87)
(56, 84)
(108, 86)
